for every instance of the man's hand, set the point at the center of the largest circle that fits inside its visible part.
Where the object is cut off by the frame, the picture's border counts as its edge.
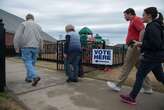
(17, 50)
(137, 43)
(65, 55)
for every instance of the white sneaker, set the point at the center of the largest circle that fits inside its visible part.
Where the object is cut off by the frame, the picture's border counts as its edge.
(147, 91)
(113, 86)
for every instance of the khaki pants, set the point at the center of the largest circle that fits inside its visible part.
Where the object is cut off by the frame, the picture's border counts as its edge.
(131, 60)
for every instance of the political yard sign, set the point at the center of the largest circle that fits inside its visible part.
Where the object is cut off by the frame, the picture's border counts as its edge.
(102, 56)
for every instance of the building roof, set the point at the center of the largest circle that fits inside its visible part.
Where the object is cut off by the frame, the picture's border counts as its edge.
(47, 37)
(11, 23)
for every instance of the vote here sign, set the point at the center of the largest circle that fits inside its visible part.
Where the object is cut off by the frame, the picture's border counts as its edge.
(102, 56)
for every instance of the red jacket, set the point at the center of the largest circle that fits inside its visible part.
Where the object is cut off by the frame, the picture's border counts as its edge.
(135, 27)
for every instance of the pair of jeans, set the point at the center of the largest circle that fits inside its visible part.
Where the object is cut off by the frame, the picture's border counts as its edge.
(144, 68)
(29, 56)
(71, 65)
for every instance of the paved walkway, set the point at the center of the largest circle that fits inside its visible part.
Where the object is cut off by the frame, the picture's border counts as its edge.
(53, 93)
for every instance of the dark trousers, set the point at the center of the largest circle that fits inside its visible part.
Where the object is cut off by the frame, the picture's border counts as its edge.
(72, 66)
(144, 68)
(81, 72)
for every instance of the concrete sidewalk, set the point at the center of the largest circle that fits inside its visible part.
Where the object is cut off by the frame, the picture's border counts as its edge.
(53, 93)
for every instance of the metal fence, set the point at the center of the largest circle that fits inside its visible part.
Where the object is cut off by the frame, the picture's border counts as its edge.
(86, 53)
(10, 51)
(55, 52)
(118, 54)
(49, 52)
(60, 55)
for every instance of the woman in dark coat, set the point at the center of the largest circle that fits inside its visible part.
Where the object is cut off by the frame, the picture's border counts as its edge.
(152, 52)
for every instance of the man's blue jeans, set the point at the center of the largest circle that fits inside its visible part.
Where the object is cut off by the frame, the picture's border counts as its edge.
(71, 65)
(29, 56)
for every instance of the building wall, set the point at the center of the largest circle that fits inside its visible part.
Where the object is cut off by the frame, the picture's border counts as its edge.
(9, 39)
(10, 51)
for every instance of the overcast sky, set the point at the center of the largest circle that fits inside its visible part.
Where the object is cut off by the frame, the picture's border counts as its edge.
(102, 16)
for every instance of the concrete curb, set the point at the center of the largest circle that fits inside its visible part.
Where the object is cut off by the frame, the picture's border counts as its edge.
(16, 99)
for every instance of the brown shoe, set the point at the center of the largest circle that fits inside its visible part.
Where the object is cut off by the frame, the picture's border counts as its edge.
(35, 81)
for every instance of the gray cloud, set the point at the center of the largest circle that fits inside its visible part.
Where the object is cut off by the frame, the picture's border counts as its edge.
(103, 16)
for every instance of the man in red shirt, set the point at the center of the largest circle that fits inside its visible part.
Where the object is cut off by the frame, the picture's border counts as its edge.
(136, 28)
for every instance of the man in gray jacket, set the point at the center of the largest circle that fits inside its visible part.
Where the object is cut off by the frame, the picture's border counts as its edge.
(28, 40)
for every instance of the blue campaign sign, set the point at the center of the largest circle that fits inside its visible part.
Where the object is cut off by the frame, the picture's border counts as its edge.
(102, 56)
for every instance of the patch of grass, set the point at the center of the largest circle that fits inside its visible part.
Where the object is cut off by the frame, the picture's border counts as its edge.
(7, 103)
(113, 76)
(3, 96)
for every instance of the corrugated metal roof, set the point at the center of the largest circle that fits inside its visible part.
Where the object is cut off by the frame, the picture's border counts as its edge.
(11, 23)
(47, 37)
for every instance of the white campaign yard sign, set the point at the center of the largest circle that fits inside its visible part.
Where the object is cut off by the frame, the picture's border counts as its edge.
(102, 56)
